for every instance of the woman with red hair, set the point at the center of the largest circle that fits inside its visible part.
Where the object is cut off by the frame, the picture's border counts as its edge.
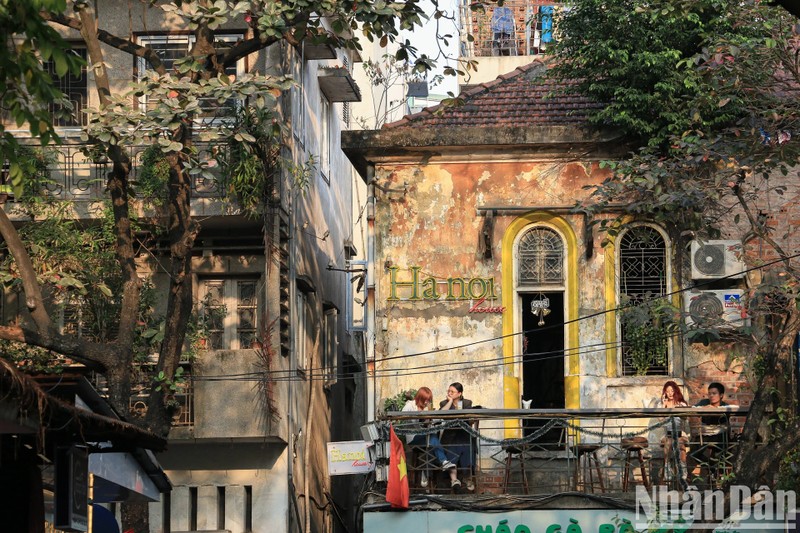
(421, 402)
(671, 397)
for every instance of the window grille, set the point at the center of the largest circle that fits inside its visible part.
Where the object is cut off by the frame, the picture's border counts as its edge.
(172, 48)
(75, 90)
(642, 276)
(541, 258)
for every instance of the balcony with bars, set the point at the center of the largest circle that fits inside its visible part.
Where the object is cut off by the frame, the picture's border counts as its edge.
(70, 172)
(505, 36)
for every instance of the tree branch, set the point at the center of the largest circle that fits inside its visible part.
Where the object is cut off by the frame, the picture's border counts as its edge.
(758, 230)
(30, 284)
(110, 39)
(95, 356)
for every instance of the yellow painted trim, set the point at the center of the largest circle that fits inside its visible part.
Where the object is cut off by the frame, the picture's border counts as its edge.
(611, 304)
(511, 398)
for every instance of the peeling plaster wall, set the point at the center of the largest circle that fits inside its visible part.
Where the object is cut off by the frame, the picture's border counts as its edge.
(435, 225)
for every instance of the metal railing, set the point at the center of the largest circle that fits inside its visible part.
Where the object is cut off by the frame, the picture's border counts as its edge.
(517, 28)
(71, 174)
(548, 451)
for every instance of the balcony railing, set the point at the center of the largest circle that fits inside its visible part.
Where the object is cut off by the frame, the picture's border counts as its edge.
(548, 451)
(73, 175)
(517, 28)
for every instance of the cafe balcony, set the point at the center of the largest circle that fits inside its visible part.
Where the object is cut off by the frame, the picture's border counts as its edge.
(594, 453)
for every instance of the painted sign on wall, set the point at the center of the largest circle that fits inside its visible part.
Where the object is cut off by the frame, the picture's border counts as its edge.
(419, 287)
(349, 457)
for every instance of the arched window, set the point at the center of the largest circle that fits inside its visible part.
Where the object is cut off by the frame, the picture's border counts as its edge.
(541, 258)
(643, 277)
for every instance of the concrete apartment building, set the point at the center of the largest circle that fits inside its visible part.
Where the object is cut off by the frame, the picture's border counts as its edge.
(240, 459)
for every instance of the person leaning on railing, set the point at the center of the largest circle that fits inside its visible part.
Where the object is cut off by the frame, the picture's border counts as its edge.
(713, 428)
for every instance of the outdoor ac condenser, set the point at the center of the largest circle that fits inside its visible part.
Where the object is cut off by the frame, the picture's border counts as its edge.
(716, 259)
(716, 309)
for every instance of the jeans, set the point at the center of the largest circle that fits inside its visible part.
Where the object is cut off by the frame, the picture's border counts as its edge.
(432, 442)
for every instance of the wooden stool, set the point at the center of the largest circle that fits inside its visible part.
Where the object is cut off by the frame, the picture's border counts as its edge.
(590, 463)
(634, 451)
(511, 453)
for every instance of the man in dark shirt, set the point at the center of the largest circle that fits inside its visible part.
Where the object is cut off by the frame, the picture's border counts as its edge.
(713, 427)
(713, 430)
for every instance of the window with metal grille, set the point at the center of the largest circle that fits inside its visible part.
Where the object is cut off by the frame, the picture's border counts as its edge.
(172, 48)
(89, 319)
(642, 276)
(75, 89)
(540, 256)
(230, 312)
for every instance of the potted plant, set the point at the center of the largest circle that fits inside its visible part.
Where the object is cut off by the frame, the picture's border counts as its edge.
(398, 401)
(646, 328)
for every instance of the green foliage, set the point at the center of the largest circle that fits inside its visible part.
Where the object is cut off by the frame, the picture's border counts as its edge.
(251, 166)
(398, 401)
(647, 80)
(789, 472)
(696, 83)
(153, 175)
(646, 330)
(27, 89)
(32, 359)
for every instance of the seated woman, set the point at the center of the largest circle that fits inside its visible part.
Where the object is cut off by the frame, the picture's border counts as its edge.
(457, 442)
(421, 401)
(675, 437)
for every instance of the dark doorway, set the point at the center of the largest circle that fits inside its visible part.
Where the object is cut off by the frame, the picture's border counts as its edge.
(543, 357)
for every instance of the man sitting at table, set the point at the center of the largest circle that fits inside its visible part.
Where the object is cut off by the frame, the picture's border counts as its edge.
(713, 429)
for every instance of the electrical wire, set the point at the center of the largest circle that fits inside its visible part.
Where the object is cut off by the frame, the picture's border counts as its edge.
(326, 373)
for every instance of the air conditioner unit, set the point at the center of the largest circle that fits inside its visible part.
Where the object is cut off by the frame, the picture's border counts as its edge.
(716, 259)
(716, 309)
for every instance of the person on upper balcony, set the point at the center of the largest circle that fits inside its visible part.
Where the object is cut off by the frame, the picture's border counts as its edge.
(422, 402)
(714, 428)
(458, 444)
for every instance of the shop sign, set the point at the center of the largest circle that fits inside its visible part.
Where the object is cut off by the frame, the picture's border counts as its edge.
(421, 288)
(538, 521)
(349, 457)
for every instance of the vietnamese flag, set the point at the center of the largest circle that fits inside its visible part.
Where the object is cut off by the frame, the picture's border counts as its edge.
(397, 487)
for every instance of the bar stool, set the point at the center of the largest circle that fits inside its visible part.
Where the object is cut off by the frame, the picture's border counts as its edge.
(515, 452)
(591, 464)
(634, 451)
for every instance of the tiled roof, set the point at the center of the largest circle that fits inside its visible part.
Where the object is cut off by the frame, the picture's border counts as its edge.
(521, 98)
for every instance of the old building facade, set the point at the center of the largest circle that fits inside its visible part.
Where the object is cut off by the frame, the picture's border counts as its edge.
(486, 274)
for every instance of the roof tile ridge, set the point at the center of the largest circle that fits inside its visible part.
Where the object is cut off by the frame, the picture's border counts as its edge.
(473, 91)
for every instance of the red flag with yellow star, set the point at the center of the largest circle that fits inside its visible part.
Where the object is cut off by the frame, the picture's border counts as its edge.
(397, 487)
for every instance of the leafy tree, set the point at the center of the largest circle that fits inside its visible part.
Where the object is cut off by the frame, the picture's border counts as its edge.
(709, 89)
(26, 88)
